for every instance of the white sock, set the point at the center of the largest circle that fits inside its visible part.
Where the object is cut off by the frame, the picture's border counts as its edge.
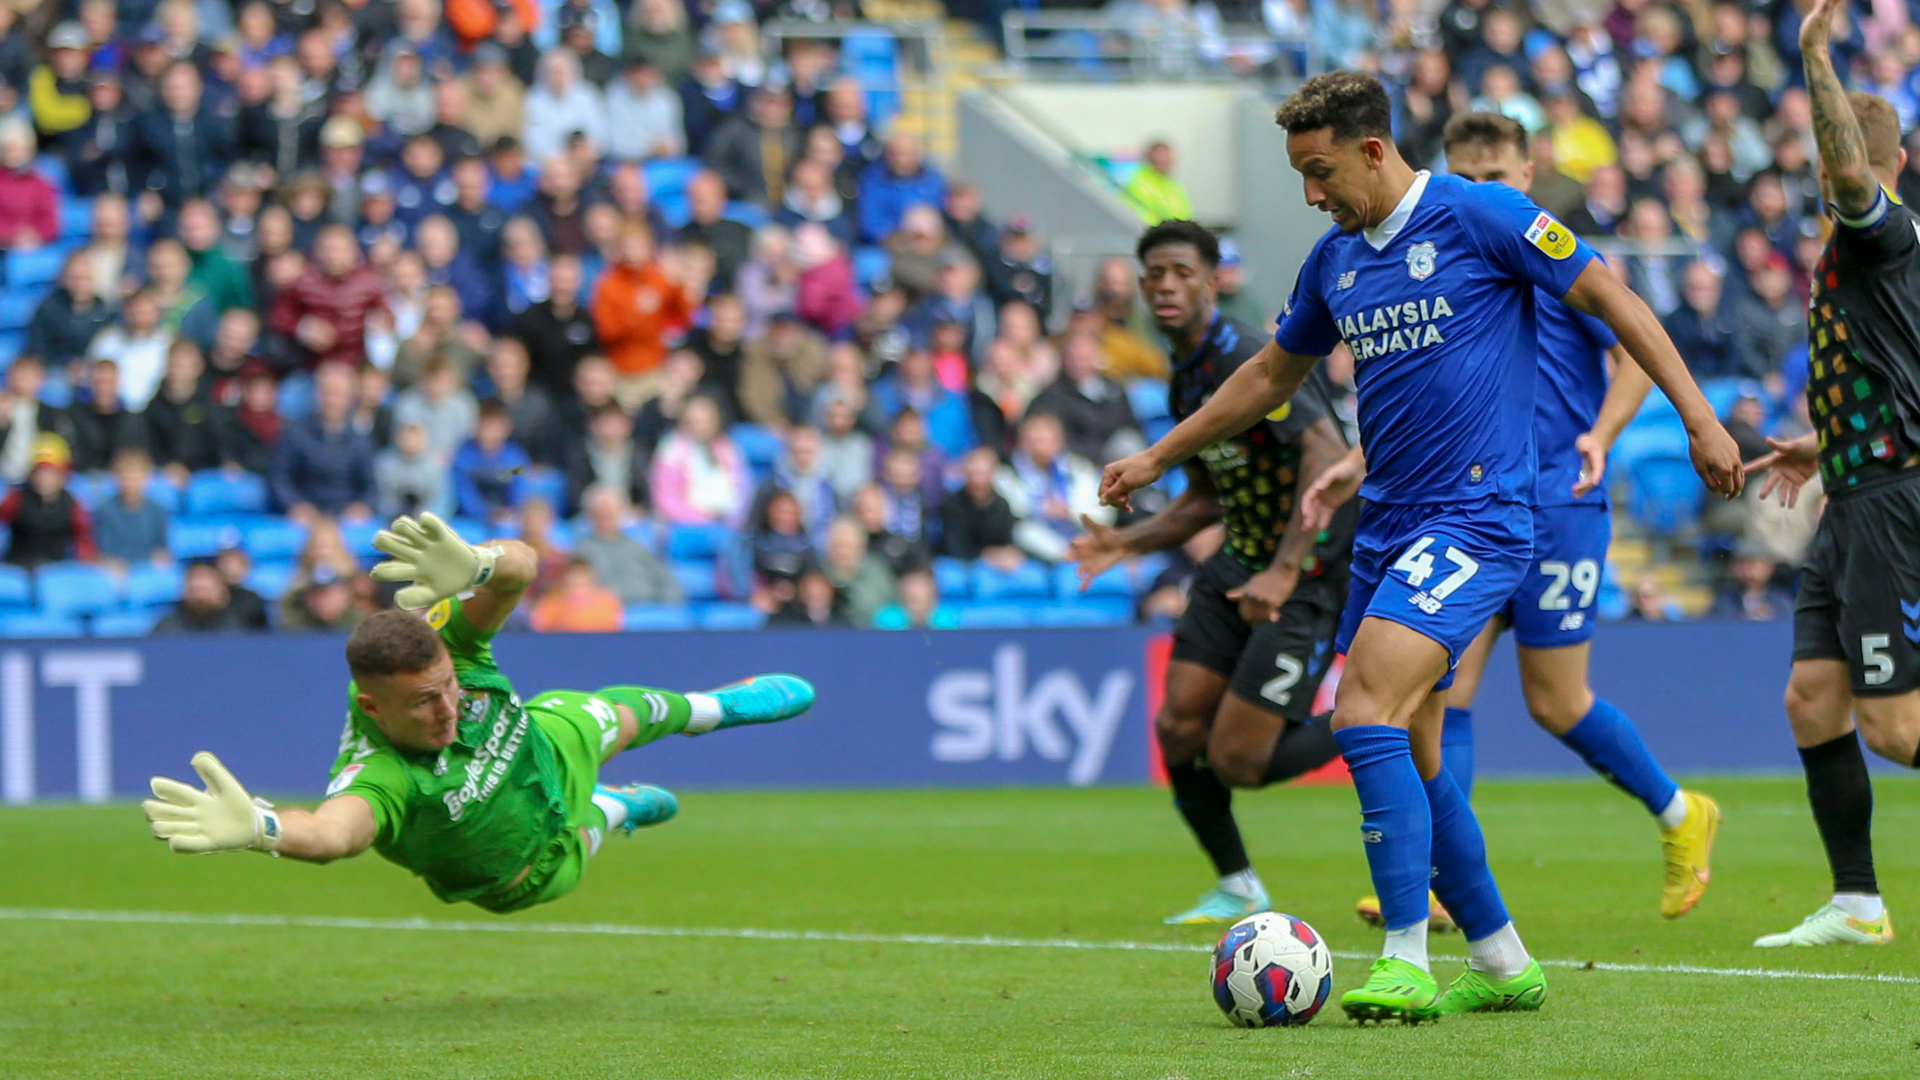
(706, 714)
(1409, 944)
(1676, 811)
(1865, 906)
(1499, 954)
(593, 838)
(614, 809)
(1245, 883)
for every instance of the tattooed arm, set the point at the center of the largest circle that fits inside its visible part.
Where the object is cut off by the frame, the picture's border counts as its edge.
(1843, 148)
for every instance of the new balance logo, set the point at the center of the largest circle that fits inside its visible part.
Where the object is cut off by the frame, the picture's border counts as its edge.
(1346, 280)
(1573, 620)
(1372, 836)
(1426, 602)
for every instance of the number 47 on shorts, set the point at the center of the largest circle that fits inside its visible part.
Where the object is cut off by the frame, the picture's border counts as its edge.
(1417, 564)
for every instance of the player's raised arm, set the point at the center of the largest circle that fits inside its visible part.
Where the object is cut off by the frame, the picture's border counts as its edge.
(1852, 185)
(1102, 547)
(224, 817)
(1257, 388)
(1625, 394)
(437, 564)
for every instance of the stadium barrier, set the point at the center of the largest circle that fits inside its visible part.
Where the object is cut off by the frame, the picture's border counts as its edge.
(92, 720)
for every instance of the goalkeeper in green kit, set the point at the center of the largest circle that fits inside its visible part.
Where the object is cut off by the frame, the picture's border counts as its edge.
(442, 768)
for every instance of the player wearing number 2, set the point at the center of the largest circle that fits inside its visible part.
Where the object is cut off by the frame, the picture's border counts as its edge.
(442, 768)
(1430, 282)
(1577, 415)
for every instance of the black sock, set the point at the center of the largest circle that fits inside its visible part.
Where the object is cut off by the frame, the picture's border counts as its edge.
(1842, 799)
(1208, 807)
(1302, 748)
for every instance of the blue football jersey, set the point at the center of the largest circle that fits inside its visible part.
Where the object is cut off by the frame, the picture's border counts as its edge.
(1572, 384)
(1437, 305)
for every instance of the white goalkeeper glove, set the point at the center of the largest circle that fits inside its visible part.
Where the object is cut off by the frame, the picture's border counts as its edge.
(222, 818)
(433, 559)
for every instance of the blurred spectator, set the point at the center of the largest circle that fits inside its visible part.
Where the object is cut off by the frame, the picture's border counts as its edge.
(372, 416)
(514, 182)
(481, 227)
(1429, 100)
(679, 380)
(635, 310)
(846, 452)
(911, 385)
(23, 416)
(1021, 269)
(801, 473)
(496, 101)
(528, 406)
(213, 275)
(206, 604)
(321, 465)
(1502, 92)
(1703, 331)
(810, 196)
(1048, 489)
(234, 564)
(399, 94)
(781, 549)
(752, 151)
(325, 603)
(70, 317)
(255, 432)
(816, 603)
(780, 372)
(624, 564)
(99, 424)
(657, 34)
(29, 206)
(958, 299)
(1651, 276)
(733, 34)
(918, 607)
(325, 550)
(708, 95)
(440, 336)
(827, 298)
(181, 146)
(912, 504)
(708, 227)
(976, 522)
(282, 132)
(966, 223)
(916, 249)
(557, 331)
(407, 479)
(770, 280)
(57, 90)
(579, 604)
(1152, 191)
(1092, 408)
(185, 429)
(485, 466)
(897, 552)
(323, 315)
(185, 309)
(859, 576)
(1006, 380)
(45, 522)
(606, 456)
(1114, 313)
(719, 345)
(96, 152)
(536, 531)
(236, 345)
(1769, 321)
(1603, 203)
(699, 477)
(559, 104)
(1753, 594)
(441, 404)
(1580, 143)
(644, 115)
(901, 178)
(110, 253)
(129, 528)
(447, 265)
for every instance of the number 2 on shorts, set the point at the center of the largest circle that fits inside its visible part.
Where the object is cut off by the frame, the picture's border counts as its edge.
(1418, 566)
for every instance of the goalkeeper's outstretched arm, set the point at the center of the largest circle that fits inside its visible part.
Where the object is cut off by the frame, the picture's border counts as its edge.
(224, 817)
(436, 563)
(514, 568)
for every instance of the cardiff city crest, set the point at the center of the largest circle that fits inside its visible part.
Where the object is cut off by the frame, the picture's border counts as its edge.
(1420, 260)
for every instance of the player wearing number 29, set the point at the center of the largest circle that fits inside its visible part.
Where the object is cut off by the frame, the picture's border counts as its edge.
(1577, 415)
(1430, 282)
(442, 768)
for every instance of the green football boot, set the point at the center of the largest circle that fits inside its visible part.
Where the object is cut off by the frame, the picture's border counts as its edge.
(1473, 991)
(1395, 990)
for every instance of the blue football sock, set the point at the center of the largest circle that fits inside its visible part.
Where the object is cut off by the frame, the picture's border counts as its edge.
(1606, 740)
(1461, 878)
(1456, 748)
(1394, 819)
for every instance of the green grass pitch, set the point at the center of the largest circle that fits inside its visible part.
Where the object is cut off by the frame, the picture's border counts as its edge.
(1579, 864)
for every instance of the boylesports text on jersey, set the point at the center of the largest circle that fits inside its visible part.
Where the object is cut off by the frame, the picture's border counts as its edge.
(1395, 328)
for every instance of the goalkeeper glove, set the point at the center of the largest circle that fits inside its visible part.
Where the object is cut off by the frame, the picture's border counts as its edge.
(222, 818)
(433, 559)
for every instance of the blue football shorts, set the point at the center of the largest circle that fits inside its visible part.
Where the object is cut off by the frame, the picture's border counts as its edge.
(1553, 607)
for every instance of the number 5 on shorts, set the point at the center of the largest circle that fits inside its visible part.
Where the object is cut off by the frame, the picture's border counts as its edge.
(1873, 658)
(1418, 566)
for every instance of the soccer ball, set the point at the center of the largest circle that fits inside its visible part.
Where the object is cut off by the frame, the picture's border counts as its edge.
(1271, 970)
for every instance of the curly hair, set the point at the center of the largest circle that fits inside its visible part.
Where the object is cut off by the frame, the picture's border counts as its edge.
(1353, 104)
(1487, 129)
(1176, 231)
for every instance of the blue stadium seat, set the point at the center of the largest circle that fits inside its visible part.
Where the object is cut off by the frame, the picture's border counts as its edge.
(728, 617)
(76, 219)
(953, 577)
(16, 307)
(72, 588)
(473, 529)
(1145, 569)
(1103, 612)
(1029, 579)
(992, 616)
(36, 269)
(1723, 393)
(358, 536)
(274, 538)
(870, 264)
(35, 624)
(90, 488)
(1656, 407)
(1665, 494)
(153, 586)
(649, 532)
(201, 539)
(215, 491)
(656, 617)
(54, 168)
(760, 446)
(125, 624)
(753, 217)
(564, 534)
(270, 579)
(1115, 582)
(1156, 429)
(12, 344)
(1640, 440)
(697, 580)
(699, 541)
(544, 483)
(1148, 398)
(160, 491)
(667, 187)
(16, 587)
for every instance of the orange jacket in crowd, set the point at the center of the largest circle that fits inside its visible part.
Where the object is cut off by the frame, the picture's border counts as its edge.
(635, 311)
(590, 611)
(477, 20)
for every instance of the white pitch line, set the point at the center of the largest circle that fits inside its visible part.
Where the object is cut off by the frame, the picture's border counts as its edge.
(347, 922)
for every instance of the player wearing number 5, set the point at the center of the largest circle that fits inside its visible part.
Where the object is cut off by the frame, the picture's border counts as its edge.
(1430, 282)
(442, 768)
(1577, 415)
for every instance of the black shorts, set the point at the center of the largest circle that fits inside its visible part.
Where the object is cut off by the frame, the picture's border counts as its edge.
(1277, 666)
(1860, 591)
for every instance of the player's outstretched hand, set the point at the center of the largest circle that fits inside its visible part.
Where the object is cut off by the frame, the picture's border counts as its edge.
(1816, 26)
(1122, 478)
(1593, 464)
(1331, 490)
(221, 818)
(1716, 457)
(432, 558)
(1789, 467)
(1265, 593)
(1098, 550)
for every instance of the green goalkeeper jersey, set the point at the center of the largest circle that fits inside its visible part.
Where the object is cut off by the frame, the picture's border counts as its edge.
(470, 818)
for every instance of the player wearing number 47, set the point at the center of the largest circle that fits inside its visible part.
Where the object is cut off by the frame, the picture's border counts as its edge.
(442, 768)
(1430, 281)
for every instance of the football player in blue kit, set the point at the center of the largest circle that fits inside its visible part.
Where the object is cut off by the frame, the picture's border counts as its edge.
(1429, 280)
(1577, 416)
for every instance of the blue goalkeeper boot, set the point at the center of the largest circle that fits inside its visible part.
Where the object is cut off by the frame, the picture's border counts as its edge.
(645, 803)
(763, 699)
